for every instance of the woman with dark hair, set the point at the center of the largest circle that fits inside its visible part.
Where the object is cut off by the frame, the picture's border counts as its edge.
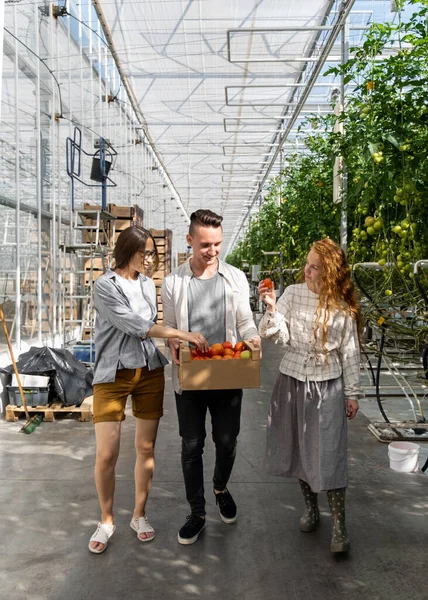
(318, 383)
(128, 362)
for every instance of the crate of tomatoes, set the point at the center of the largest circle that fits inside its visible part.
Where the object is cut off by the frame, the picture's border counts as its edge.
(224, 367)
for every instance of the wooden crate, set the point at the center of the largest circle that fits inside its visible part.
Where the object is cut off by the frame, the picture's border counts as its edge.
(126, 217)
(97, 263)
(132, 213)
(182, 257)
(89, 236)
(95, 275)
(219, 374)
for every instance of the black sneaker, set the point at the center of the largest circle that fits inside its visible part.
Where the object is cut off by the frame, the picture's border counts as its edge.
(191, 529)
(226, 506)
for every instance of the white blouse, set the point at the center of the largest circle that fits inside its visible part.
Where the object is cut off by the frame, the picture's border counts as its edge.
(293, 324)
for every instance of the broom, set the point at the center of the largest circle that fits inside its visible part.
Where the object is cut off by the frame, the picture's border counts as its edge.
(32, 422)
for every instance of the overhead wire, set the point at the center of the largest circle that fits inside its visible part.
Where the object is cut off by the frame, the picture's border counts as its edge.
(42, 60)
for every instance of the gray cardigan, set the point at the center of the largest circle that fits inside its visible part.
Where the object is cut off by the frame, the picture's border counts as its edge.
(120, 333)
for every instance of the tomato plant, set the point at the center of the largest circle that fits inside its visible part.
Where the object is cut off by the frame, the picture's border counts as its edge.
(383, 145)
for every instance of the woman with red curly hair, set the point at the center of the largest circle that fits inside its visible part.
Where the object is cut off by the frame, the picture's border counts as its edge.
(318, 385)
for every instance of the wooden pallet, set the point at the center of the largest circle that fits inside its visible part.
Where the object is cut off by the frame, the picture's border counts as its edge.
(378, 430)
(84, 411)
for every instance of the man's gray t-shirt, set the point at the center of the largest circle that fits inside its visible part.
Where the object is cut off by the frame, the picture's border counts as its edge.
(206, 305)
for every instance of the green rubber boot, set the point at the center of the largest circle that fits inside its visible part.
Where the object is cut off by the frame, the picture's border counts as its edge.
(311, 516)
(339, 535)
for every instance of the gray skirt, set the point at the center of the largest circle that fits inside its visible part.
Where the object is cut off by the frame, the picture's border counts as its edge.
(307, 432)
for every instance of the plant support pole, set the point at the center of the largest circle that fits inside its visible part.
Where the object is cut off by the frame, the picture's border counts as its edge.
(344, 178)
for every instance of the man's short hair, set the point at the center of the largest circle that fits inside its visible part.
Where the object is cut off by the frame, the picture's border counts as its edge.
(204, 218)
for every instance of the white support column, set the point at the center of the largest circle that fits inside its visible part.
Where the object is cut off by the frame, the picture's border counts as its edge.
(54, 129)
(18, 189)
(38, 184)
(1, 46)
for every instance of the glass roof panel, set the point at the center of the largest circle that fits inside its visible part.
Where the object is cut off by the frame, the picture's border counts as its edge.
(217, 83)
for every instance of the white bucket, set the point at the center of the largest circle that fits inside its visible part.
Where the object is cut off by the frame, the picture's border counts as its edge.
(404, 456)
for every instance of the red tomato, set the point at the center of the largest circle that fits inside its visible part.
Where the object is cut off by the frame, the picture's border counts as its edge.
(268, 283)
(227, 345)
(239, 346)
(216, 349)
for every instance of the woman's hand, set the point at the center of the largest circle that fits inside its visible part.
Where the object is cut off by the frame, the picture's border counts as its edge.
(195, 338)
(268, 296)
(352, 408)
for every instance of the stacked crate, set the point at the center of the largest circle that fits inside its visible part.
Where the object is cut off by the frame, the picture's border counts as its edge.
(126, 216)
(163, 240)
(182, 257)
(97, 268)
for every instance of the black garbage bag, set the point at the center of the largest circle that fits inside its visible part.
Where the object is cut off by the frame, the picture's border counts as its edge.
(72, 381)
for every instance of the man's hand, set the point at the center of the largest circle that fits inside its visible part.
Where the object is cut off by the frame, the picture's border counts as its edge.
(256, 340)
(352, 407)
(174, 345)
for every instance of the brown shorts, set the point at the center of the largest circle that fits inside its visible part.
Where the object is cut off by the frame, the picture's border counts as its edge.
(145, 387)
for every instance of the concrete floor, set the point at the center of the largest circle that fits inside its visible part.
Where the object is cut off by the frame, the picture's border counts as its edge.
(48, 510)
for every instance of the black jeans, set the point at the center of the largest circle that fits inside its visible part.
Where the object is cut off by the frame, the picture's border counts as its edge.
(225, 411)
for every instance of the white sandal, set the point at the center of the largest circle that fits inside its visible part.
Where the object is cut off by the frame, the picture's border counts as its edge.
(142, 525)
(102, 535)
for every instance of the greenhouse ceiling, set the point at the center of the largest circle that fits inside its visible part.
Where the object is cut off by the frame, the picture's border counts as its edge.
(224, 85)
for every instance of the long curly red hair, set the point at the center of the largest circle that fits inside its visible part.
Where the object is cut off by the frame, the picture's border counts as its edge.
(337, 291)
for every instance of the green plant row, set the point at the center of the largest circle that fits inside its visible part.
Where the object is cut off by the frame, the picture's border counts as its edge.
(384, 151)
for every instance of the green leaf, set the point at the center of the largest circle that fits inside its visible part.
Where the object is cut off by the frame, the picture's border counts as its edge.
(391, 139)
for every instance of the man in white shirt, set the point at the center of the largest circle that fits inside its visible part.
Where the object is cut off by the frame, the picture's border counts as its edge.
(206, 294)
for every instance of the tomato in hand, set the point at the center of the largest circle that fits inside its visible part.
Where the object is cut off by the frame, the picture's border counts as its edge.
(268, 283)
